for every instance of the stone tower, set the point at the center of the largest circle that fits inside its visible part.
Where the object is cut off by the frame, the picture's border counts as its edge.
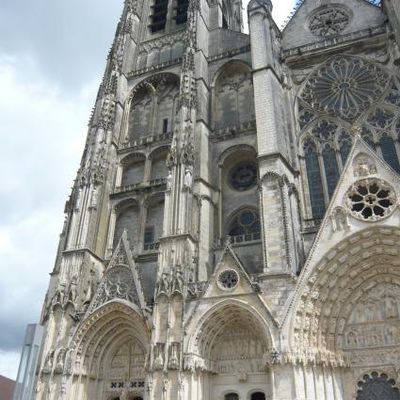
(233, 230)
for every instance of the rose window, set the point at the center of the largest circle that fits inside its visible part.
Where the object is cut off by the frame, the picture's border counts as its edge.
(345, 87)
(228, 279)
(329, 21)
(371, 199)
(243, 176)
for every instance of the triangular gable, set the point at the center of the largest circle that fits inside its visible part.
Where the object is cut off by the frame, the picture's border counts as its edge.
(361, 15)
(229, 277)
(363, 167)
(120, 279)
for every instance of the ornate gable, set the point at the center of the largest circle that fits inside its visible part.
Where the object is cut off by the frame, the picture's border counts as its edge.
(120, 280)
(313, 22)
(230, 277)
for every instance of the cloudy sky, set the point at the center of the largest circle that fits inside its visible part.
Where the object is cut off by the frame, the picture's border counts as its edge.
(52, 56)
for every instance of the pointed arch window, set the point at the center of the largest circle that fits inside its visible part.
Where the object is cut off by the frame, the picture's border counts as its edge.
(389, 152)
(345, 144)
(314, 180)
(343, 94)
(245, 226)
(331, 168)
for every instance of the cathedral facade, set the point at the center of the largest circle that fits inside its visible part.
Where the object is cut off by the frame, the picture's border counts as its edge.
(233, 232)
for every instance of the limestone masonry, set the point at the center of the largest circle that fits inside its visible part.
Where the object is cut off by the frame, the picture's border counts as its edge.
(233, 232)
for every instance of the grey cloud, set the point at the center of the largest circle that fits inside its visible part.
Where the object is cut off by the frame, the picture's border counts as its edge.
(68, 38)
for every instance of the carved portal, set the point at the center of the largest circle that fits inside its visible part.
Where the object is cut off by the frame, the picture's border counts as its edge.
(126, 371)
(238, 351)
(372, 332)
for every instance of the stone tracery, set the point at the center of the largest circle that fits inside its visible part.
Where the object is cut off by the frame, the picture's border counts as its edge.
(345, 87)
(350, 92)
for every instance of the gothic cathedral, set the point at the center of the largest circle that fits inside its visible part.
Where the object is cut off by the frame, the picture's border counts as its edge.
(233, 232)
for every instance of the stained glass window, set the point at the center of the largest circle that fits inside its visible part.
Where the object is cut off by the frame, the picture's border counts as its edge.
(345, 144)
(314, 180)
(345, 93)
(246, 224)
(331, 168)
(345, 87)
(389, 153)
(243, 176)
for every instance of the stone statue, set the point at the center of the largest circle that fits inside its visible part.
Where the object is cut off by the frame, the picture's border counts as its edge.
(188, 181)
(169, 180)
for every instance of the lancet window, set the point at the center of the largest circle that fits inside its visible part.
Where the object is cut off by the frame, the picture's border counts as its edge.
(326, 147)
(234, 98)
(152, 108)
(168, 14)
(346, 96)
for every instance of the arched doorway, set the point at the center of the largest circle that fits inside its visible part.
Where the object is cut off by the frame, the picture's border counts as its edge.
(377, 386)
(111, 353)
(231, 341)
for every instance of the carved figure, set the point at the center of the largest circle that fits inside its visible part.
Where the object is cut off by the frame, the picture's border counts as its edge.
(188, 181)
(340, 219)
(169, 180)
(163, 284)
(159, 356)
(178, 281)
(364, 166)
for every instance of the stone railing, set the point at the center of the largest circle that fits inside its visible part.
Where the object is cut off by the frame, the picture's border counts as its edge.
(150, 138)
(155, 67)
(333, 41)
(250, 237)
(140, 186)
(151, 246)
(223, 133)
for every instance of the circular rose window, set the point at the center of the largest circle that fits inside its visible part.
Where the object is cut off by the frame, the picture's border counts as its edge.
(228, 279)
(243, 176)
(371, 199)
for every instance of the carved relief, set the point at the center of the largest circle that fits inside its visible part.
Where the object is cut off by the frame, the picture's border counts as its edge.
(340, 219)
(364, 166)
(238, 351)
(174, 355)
(374, 324)
(159, 353)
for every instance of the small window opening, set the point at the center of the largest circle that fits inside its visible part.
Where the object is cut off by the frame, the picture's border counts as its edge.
(149, 235)
(159, 16)
(224, 22)
(258, 396)
(165, 125)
